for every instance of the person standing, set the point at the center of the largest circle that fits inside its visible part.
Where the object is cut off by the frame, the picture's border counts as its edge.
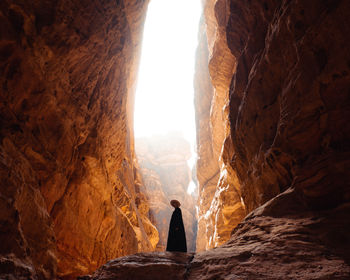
(176, 236)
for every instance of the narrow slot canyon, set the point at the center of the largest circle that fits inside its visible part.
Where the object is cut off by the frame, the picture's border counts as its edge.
(85, 195)
(164, 117)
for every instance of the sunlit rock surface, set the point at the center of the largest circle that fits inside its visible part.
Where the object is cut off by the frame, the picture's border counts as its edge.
(288, 111)
(166, 174)
(207, 169)
(219, 206)
(67, 197)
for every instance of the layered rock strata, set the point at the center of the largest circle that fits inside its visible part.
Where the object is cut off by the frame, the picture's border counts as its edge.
(68, 199)
(166, 175)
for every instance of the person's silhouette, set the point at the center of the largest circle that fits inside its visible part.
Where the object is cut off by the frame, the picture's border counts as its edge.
(176, 236)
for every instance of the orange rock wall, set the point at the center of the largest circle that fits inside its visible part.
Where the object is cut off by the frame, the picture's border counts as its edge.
(219, 206)
(289, 101)
(283, 66)
(67, 197)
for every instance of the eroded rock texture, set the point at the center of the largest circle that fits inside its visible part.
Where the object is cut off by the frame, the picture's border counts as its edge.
(277, 241)
(68, 199)
(288, 109)
(165, 172)
(289, 99)
(155, 266)
(288, 102)
(220, 207)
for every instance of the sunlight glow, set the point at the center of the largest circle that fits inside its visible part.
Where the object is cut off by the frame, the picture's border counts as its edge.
(164, 96)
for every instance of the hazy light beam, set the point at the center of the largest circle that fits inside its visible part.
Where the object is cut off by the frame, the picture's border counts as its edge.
(164, 96)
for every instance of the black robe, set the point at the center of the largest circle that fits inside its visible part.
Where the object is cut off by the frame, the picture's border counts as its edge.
(176, 236)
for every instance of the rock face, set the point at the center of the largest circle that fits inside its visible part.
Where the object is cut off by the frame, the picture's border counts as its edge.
(68, 200)
(277, 242)
(220, 207)
(288, 104)
(289, 101)
(300, 134)
(166, 176)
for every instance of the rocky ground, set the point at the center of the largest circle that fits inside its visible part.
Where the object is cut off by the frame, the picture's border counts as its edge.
(273, 242)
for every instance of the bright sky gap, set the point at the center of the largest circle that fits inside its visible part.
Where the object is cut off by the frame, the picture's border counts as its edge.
(165, 94)
(164, 97)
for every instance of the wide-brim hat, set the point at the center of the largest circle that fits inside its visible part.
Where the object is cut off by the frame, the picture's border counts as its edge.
(175, 203)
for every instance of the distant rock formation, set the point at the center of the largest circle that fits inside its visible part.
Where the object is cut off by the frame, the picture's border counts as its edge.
(166, 176)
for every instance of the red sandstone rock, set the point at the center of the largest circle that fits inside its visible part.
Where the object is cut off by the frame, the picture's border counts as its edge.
(292, 75)
(284, 102)
(155, 266)
(67, 170)
(220, 206)
(207, 167)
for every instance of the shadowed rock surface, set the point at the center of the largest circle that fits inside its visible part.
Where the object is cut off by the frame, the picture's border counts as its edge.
(289, 101)
(157, 266)
(288, 108)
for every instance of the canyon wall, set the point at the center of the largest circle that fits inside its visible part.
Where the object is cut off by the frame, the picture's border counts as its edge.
(68, 199)
(220, 207)
(289, 100)
(163, 161)
(288, 104)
